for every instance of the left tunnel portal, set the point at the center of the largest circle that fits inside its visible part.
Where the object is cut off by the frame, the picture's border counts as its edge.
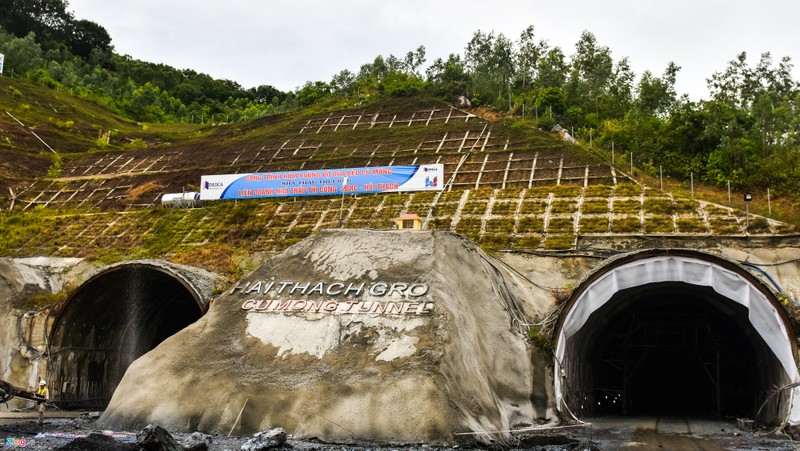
(112, 319)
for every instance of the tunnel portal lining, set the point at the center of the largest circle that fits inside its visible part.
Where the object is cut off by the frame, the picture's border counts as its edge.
(113, 318)
(691, 268)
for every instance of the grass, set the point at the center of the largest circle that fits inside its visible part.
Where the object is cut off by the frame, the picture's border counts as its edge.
(691, 225)
(627, 190)
(659, 224)
(593, 224)
(500, 225)
(626, 206)
(527, 241)
(724, 226)
(559, 241)
(530, 224)
(467, 226)
(561, 225)
(658, 206)
(597, 191)
(594, 206)
(495, 240)
(474, 207)
(533, 206)
(626, 225)
(564, 206)
(504, 207)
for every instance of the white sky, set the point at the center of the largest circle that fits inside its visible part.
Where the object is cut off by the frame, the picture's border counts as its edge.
(285, 43)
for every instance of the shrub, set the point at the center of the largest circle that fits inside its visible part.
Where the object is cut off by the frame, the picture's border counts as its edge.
(758, 225)
(55, 168)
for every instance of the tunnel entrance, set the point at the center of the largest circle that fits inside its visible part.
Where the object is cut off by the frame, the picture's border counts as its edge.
(111, 320)
(687, 335)
(670, 348)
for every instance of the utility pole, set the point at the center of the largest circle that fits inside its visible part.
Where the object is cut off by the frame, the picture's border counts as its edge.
(729, 193)
(341, 208)
(747, 198)
(612, 153)
(631, 164)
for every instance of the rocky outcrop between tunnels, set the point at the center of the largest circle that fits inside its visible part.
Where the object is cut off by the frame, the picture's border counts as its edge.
(351, 335)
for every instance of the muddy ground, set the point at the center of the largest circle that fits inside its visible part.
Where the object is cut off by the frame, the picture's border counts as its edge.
(21, 431)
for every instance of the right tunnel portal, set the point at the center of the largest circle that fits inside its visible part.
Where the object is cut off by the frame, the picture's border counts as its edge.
(675, 334)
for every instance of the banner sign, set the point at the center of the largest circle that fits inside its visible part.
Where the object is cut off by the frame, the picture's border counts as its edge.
(323, 182)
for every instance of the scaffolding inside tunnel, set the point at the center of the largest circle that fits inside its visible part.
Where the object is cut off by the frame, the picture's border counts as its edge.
(678, 353)
(110, 321)
(681, 333)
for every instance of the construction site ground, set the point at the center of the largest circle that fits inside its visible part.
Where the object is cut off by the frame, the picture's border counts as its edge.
(604, 433)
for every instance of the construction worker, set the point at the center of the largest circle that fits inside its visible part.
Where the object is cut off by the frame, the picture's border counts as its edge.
(40, 405)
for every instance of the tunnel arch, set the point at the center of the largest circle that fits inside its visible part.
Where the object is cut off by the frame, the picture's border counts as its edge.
(675, 332)
(115, 316)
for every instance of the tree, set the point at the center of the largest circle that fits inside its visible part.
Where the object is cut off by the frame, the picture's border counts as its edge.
(21, 54)
(591, 74)
(529, 54)
(448, 78)
(552, 100)
(86, 36)
(414, 60)
(490, 60)
(552, 70)
(47, 19)
(265, 94)
(311, 93)
(343, 83)
(657, 95)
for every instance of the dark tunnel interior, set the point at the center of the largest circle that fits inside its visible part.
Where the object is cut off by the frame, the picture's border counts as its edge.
(109, 322)
(672, 349)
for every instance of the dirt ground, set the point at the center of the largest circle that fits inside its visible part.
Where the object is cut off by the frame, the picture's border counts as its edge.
(678, 433)
(21, 431)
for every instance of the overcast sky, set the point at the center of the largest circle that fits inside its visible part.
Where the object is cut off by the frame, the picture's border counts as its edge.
(285, 43)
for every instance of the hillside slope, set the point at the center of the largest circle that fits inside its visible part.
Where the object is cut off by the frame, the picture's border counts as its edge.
(511, 186)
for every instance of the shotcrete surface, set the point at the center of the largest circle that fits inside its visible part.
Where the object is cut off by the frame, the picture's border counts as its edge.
(410, 378)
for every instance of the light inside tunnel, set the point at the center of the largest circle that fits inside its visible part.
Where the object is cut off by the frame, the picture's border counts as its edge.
(111, 320)
(674, 336)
